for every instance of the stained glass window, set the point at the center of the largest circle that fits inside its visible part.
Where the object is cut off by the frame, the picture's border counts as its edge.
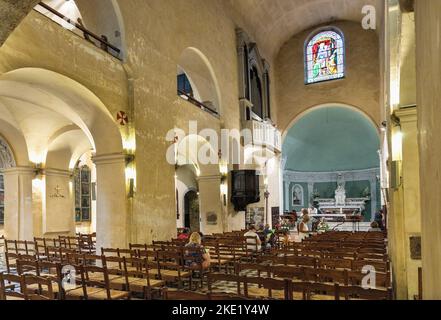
(83, 194)
(325, 57)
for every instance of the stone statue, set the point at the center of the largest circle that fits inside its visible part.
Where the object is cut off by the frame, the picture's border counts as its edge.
(340, 195)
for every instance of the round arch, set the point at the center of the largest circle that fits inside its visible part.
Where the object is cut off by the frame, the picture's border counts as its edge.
(64, 96)
(201, 74)
(327, 105)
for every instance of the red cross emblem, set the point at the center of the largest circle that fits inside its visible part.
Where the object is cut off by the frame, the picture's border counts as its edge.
(122, 118)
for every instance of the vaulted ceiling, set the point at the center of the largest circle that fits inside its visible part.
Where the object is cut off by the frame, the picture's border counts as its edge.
(275, 21)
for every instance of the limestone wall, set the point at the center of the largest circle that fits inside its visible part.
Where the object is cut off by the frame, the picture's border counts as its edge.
(360, 88)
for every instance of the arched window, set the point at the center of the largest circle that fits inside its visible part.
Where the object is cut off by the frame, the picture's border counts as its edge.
(325, 56)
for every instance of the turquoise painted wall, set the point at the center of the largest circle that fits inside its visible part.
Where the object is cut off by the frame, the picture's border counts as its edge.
(332, 139)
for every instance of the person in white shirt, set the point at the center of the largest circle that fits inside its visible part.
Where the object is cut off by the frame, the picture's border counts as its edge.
(303, 228)
(253, 240)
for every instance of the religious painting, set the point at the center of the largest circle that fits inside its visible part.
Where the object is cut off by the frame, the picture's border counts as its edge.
(297, 196)
(324, 57)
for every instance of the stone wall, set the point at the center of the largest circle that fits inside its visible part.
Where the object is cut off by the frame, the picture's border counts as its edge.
(360, 88)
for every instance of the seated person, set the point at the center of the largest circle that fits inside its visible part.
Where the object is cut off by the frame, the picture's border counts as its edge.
(374, 227)
(184, 235)
(195, 257)
(253, 240)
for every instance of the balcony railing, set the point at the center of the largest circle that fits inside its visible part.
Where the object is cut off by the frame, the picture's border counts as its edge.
(102, 43)
(197, 103)
(265, 134)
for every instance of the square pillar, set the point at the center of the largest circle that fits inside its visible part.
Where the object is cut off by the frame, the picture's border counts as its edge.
(112, 219)
(19, 222)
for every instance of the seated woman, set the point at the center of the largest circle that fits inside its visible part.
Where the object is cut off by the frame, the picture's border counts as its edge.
(196, 255)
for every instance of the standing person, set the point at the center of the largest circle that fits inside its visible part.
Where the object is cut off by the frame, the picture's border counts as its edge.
(303, 228)
(253, 240)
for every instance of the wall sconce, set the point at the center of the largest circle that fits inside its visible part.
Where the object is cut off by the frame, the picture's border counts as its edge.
(224, 192)
(38, 171)
(130, 174)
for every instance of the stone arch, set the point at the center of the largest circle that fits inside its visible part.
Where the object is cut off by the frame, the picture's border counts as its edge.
(303, 113)
(59, 119)
(201, 74)
(62, 95)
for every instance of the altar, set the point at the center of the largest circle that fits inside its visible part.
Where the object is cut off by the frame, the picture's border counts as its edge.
(342, 205)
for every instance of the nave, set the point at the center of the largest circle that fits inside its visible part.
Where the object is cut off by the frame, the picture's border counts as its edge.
(330, 266)
(142, 141)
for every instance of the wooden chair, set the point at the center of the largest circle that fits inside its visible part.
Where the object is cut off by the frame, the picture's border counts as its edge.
(25, 266)
(8, 287)
(266, 288)
(193, 263)
(359, 293)
(322, 291)
(171, 269)
(342, 264)
(176, 295)
(139, 280)
(326, 276)
(38, 288)
(95, 285)
(288, 272)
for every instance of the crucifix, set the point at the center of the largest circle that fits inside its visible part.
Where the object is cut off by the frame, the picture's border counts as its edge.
(57, 193)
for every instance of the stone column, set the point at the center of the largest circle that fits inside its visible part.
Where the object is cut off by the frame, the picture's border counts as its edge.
(373, 182)
(19, 222)
(428, 48)
(58, 214)
(210, 204)
(112, 219)
(310, 192)
(286, 201)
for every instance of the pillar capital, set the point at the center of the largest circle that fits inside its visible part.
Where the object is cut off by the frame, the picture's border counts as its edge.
(112, 158)
(19, 171)
(57, 172)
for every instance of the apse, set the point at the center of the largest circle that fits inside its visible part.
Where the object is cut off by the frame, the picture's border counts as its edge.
(329, 149)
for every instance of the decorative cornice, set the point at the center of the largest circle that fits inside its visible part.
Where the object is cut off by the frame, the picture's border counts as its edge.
(353, 175)
(19, 170)
(109, 158)
(57, 173)
(408, 114)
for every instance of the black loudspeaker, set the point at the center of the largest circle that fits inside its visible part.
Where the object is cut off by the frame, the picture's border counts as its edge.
(244, 188)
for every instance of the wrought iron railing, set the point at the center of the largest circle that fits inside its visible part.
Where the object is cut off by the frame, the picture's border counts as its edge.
(197, 103)
(87, 33)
